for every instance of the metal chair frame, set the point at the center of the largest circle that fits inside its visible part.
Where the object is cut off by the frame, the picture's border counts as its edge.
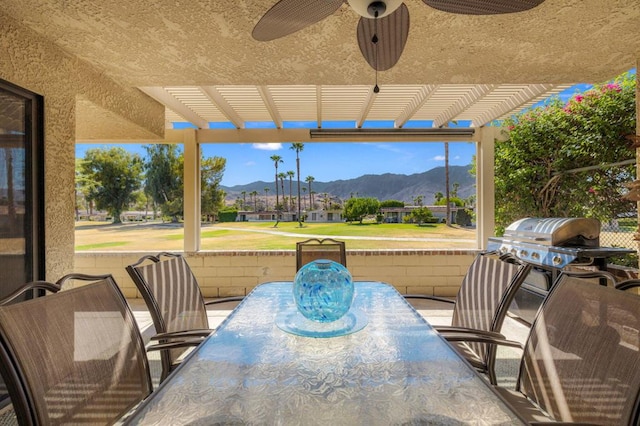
(317, 248)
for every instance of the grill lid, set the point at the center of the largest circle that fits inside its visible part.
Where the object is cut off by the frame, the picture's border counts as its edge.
(565, 232)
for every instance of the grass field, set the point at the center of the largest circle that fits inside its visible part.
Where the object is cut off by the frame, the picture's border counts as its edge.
(156, 236)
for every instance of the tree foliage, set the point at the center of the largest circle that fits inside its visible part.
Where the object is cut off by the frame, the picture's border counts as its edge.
(557, 160)
(358, 208)
(457, 201)
(391, 203)
(115, 174)
(164, 178)
(212, 196)
(419, 215)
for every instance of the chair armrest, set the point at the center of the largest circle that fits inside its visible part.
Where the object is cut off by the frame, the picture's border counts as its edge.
(426, 296)
(481, 338)
(447, 329)
(628, 284)
(182, 334)
(174, 345)
(225, 299)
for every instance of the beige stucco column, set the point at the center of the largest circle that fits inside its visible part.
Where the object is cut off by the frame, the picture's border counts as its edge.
(485, 184)
(191, 191)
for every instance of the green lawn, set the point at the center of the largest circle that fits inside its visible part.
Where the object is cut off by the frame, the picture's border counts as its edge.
(265, 236)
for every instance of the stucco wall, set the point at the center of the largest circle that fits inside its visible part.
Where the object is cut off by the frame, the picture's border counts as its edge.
(229, 273)
(37, 65)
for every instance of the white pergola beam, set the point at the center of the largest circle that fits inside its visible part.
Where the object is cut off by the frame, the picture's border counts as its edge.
(366, 107)
(165, 98)
(319, 106)
(270, 104)
(415, 105)
(462, 104)
(223, 106)
(517, 100)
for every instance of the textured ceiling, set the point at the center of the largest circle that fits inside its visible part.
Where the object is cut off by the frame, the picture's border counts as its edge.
(203, 48)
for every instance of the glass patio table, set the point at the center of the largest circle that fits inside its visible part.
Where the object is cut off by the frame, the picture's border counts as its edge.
(395, 370)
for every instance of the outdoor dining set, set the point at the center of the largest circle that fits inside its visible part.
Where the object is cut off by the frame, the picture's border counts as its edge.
(321, 349)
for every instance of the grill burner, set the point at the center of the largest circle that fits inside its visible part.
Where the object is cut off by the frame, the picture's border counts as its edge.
(555, 242)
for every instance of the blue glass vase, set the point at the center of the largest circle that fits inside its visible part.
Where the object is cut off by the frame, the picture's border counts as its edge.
(323, 290)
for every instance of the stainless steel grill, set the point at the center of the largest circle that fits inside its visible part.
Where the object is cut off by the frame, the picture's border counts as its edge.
(551, 244)
(555, 242)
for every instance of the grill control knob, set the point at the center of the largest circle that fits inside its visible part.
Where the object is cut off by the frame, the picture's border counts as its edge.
(514, 252)
(535, 255)
(557, 260)
(524, 253)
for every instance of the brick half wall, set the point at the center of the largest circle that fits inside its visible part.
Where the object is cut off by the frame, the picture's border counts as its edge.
(233, 273)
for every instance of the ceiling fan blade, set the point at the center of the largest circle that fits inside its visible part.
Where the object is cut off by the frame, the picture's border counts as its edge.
(392, 32)
(483, 7)
(288, 16)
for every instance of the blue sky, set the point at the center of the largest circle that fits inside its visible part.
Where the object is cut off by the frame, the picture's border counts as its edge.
(328, 161)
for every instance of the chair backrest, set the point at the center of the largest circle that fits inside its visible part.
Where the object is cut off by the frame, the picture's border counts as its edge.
(315, 248)
(73, 357)
(30, 287)
(581, 362)
(485, 294)
(172, 295)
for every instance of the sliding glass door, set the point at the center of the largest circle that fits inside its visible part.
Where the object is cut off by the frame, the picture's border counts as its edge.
(21, 188)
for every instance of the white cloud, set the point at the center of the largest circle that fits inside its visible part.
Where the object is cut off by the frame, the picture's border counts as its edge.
(439, 158)
(268, 146)
(250, 163)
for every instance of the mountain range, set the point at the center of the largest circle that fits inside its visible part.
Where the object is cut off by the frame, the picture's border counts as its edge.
(387, 186)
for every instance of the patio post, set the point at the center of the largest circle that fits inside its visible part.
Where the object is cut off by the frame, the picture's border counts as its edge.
(191, 191)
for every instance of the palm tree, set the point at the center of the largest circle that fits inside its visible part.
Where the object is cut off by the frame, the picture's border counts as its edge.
(291, 174)
(266, 200)
(254, 195)
(276, 159)
(297, 147)
(304, 198)
(446, 179)
(244, 199)
(438, 196)
(282, 176)
(310, 179)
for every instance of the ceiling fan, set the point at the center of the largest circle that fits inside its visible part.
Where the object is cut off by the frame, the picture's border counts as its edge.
(383, 27)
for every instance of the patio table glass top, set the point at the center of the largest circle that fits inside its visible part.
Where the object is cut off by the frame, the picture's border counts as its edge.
(396, 370)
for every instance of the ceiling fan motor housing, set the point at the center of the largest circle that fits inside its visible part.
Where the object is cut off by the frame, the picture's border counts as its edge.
(368, 8)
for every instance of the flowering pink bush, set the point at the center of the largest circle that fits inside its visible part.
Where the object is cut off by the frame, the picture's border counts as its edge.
(538, 165)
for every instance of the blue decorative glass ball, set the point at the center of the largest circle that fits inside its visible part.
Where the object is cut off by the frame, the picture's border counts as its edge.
(323, 290)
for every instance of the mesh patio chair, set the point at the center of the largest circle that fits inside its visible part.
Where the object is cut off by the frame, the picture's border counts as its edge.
(581, 362)
(73, 357)
(177, 308)
(480, 307)
(315, 248)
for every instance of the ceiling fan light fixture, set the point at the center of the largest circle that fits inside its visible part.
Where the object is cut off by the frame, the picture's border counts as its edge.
(367, 8)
